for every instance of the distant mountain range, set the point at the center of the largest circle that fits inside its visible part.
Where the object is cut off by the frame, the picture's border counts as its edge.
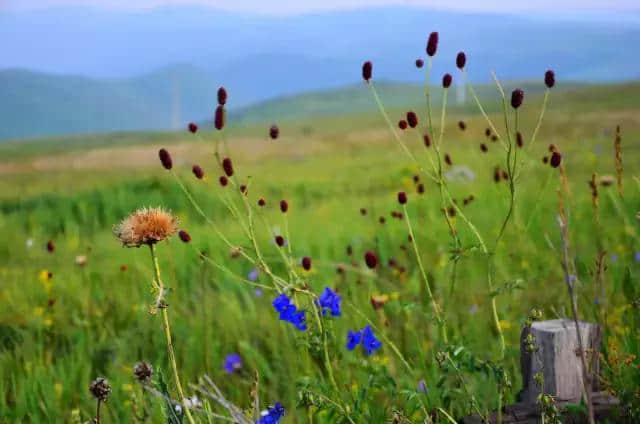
(77, 70)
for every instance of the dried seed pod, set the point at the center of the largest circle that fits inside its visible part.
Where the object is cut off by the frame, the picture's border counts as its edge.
(462, 125)
(261, 202)
(484, 148)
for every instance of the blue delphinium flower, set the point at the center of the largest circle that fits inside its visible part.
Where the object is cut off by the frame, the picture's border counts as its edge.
(353, 339)
(232, 363)
(272, 415)
(369, 341)
(330, 301)
(288, 312)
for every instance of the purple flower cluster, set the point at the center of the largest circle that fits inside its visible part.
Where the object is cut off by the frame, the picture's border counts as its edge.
(232, 363)
(289, 312)
(366, 338)
(330, 301)
(272, 415)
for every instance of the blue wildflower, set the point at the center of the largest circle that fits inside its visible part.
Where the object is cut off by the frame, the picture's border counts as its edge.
(281, 302)
(353, 339)
(253, 275)
(272, 415)
(288, 312)
(614, 258)
(258, 292)
(422, 386)
(232, 363)
(369, 341)
(637, 256)
(330, 300)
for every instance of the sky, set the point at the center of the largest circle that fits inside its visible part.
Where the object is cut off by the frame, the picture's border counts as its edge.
(285, 7)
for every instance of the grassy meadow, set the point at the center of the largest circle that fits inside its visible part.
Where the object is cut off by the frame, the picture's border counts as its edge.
(83, 310)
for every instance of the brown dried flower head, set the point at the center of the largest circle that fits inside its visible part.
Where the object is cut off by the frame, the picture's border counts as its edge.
(146, 226)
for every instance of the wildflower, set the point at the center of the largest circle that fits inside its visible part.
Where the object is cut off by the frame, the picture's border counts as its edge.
(184, 236)
(382, 220)
(519, 141)
(100, 389)
(367, 70)
(330, 300)
(222, 96)
(223, 180)
(545, 159)
(272, 415)
(446, 80)
(614, 258)
(192, 402)
(232, 363)
(253, 275)
(284, 206)
(81, 260)
(288, 312)
(636, 256)
(412, 119)
(402, 197)
(461, 60)
(257, 292)
(29, 243)
(363, 211)
(427, 140)
(143, 372)
(432, 44)
(483, 147)
(416, 178)
(51, 247)
(218, 119)
(197, 172)
(422, 386)
(371, 259)
(274, 132)
(379, 301)
(146, 226)
(517, 97)
(549, 78)
(402, 124)
(261, 202)
(279, 241)
(227, 166)
(462, 125)
(419, 63)
(420, 188)
(193, 128)
(369, 341)
(487, 132)
(494, 138)
(447, 159)
(552, 148)
(165, 158)
(306, 263)
(353, 339)
(555, 160)
(243, 189)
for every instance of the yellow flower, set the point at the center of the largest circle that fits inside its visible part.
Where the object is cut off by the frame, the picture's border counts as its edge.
(44, 275)
(505, 325)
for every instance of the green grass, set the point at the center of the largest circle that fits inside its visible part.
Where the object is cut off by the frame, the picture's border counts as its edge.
(58, 335)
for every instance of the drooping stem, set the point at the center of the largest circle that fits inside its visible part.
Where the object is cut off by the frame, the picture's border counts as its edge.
(167, 332)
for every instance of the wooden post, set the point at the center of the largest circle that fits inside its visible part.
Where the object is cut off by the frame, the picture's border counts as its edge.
(555, 355)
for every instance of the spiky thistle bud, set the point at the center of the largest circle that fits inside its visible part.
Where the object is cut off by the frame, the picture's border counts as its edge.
(370, 259)
(419, 63)
(517, 97)
(402, 124)
(549, 78)
(284, 206)
(184, 236)
(218, 120)
(227, 166)
(446, 80)
(143, 372)
(461, 60)
(555, 160)
(402, 197)
(274, 132)
(222, 96)
(193, 128)
(306, 263)
(432, 44)
(165, 159)
(367, 70)
(197, 171)
(412, 119)
(223, 181)
(100, 389)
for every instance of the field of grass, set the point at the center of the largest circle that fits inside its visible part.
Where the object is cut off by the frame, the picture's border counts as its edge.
(65, 322)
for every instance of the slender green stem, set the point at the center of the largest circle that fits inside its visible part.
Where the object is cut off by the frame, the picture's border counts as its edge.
(542, 110)
(167, 333)
(327, 360)
(484, 114)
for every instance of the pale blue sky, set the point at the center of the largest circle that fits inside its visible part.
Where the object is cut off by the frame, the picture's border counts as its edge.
(302, 6)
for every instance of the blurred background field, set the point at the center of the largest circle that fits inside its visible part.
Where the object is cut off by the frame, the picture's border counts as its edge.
(80, 132)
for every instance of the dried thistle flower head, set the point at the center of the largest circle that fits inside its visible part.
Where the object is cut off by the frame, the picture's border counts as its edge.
(100, 389)
(143, 372)
(146, 226)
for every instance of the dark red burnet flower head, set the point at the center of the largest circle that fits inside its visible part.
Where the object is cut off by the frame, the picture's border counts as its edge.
(494, 138)
(184, 236)
(420, 188)
(222, 96)
(432, 44)
(382, 220)
(279, 241)
(223, 180)
(427, 140)
(461, 60)
(549, 78)
(517, 97)
(197, 171)
(274, 132)
(545, 160)
(192, 127)
(227, 166)
(555, 160)
(306, 263)
(243, 189)
(484, 148)
(412, 119)
(419, 63)
(402, 197)
(51, 247)
(462, 125)
(284, 206)
(487, 132)
(363, 211)
(261, 202)
(165, 159)
(367, 70)
(402, 124)
(446, 80)
(370, 259)
(519, 141)
(447, 159)
(218, 120)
